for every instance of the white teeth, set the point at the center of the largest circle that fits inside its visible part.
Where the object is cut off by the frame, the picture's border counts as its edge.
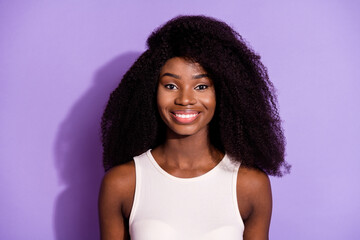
(185, 115)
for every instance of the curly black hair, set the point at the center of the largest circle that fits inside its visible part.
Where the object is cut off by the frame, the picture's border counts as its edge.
(246, 124)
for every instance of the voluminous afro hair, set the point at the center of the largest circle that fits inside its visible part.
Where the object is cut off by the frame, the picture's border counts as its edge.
(246, 124)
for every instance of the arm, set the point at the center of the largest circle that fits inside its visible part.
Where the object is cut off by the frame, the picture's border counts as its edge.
(255, 203)
(115, 201)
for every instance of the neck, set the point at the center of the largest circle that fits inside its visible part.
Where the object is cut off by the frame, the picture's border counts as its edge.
(182, 150)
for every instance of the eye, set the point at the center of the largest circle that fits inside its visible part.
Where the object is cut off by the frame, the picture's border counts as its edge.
(170, 86)
(201, 87)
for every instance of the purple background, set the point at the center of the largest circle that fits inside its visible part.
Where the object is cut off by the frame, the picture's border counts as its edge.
(59, 61)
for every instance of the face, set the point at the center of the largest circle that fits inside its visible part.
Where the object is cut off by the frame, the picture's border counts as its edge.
(185, 97)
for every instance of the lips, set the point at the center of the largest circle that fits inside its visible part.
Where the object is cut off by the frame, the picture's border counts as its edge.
(185, 117)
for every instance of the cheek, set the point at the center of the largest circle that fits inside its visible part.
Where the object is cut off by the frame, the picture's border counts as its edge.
(162, 102)
(210, 101)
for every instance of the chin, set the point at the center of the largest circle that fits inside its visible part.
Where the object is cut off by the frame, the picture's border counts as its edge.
(185, 131)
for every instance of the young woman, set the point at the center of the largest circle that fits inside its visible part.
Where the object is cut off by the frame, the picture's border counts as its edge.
(190, 136)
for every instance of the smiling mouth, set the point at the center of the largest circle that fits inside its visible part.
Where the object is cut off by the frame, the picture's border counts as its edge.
(184, 117)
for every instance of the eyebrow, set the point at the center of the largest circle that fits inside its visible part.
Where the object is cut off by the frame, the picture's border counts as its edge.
(170, 75)
(204, 75)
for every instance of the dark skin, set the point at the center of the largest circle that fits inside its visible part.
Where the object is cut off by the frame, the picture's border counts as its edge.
(184, 86)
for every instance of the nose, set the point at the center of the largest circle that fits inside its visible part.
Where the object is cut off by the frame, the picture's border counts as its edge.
(185, 97)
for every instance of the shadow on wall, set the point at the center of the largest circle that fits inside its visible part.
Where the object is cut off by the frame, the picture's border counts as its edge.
(78, 155)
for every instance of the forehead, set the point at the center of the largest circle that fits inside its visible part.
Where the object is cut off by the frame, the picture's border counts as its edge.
(178, 64)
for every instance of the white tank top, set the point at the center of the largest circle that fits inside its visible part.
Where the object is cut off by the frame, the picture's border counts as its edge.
(170, 208)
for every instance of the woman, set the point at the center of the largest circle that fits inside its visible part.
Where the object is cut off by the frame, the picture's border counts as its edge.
(190, 136)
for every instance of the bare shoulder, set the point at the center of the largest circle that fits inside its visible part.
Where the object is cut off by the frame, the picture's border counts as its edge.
(255, 202)
(115, 201)
(252, 180)
(253, 192)
(118, 187)
(120, 177)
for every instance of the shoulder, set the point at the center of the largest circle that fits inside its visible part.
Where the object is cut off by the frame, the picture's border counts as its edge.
(252, 180)
(253, 191)
(120, 172)
(120, 176)
(119, 182)
(115, 200)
